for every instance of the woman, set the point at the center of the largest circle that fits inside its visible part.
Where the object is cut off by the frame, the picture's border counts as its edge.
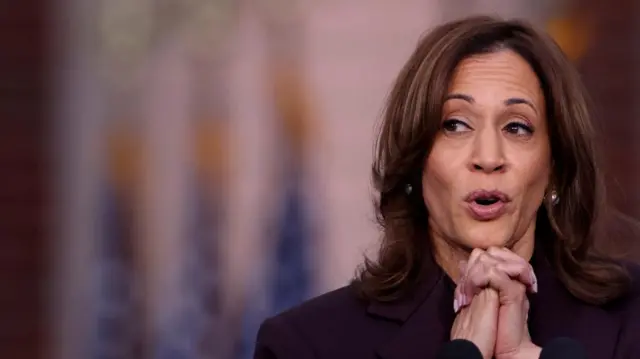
(489, 195)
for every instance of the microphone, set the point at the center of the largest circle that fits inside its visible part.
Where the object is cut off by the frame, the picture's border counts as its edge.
(563, 348)
(460, 349)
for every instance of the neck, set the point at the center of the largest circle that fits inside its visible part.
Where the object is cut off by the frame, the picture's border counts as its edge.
(448, 256)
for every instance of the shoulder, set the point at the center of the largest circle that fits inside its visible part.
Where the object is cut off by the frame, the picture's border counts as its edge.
(633, 297)
(634, 271)
(629, 309)
(343, 301)
(318, 328)
(334, 308)
(630, 301)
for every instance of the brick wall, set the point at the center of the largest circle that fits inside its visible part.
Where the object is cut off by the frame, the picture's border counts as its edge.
(22, 174)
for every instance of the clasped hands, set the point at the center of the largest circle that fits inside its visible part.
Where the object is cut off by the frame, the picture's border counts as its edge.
(492, 306)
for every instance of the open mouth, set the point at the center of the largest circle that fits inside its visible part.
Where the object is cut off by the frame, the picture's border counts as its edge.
(486, 201)
(486, 198)
(487, 205)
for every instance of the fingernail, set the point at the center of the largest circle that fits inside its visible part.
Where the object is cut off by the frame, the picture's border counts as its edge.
(534, 280)
(456, 305)
(464, 301)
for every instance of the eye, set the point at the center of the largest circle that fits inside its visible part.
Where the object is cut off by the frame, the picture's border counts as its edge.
(454, 125)
(518, 129)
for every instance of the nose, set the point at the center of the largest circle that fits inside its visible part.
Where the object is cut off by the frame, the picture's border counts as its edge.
(488, 155)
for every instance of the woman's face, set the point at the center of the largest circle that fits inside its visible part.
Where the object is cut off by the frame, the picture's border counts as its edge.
(488, 170)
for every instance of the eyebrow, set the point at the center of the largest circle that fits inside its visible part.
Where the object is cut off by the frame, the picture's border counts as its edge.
(459, 96)
(508, 102)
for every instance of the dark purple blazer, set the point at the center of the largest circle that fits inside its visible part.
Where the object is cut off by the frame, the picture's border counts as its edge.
(338, 325)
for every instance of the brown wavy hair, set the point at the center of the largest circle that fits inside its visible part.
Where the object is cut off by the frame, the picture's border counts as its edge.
(565, 231)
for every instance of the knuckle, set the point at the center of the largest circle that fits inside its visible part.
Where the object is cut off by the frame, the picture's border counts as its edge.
(476, 279)
(492, 275)
(483, 257)
(471, 279)
(523, 267)
(476, 252)
(524, 263)
(492, 271)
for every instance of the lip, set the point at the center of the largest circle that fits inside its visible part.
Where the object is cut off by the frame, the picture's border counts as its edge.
(501, 196)
(487, 212)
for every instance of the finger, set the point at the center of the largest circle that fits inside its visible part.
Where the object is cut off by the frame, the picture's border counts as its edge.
(494, 259)
(509, 290)
(473, 257)
(521, 272)
(462, 267)
(460, 299)
(503, 253)
(516, 267)
(527, 306)
(474, 280)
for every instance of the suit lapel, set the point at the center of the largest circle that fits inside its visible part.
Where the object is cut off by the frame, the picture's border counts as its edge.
(422, 335)
(424, 319)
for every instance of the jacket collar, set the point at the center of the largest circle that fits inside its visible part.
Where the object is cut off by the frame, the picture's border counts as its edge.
(402, 309)
(424, 317)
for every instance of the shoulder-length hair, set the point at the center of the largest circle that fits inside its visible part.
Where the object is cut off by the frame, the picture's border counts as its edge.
(411, 120)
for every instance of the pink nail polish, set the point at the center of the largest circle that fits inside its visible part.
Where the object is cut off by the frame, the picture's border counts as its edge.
(534, 280)
(456, 305)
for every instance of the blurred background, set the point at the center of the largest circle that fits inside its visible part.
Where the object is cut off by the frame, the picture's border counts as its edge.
(175, 171)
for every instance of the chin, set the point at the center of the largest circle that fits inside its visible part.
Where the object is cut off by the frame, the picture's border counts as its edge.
(489, 236)
(485, 243)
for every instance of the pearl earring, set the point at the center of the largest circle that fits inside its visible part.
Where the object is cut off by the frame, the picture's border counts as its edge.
(408, 188)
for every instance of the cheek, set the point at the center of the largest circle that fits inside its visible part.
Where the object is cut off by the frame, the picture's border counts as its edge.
(437, 181)
(541, 167)
(531, 163)
(535, 179)
(442, 166)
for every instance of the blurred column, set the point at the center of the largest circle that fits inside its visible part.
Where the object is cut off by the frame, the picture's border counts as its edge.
(185, 111)
(79, 111)
(102, 48)
(283, 275)
(165, 111)
(250, 147)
